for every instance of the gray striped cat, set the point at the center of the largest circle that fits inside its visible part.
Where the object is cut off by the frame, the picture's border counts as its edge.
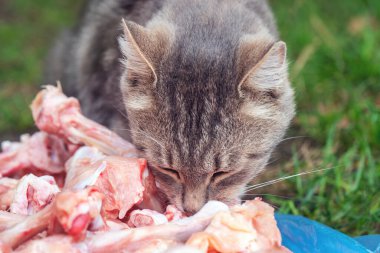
(200, 87)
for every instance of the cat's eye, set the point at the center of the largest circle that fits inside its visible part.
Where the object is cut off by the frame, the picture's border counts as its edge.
(170, 171)
(219, 174)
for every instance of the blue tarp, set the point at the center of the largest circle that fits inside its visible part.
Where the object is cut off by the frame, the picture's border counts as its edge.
(301, 235)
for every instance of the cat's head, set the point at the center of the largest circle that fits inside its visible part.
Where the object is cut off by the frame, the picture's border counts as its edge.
(205, 114)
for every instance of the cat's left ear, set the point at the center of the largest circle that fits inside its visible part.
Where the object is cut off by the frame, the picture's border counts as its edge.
(143, 49)
(269, 75)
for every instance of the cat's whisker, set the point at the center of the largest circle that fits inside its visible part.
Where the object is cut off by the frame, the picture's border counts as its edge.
(292, 138)
(274, 181)
(271, 195)
(273, 161)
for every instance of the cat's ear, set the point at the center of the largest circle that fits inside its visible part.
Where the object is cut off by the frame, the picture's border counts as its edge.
(135, 44)
(269, 75)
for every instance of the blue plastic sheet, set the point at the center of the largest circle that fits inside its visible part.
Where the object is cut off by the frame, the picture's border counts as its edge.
(301, 235)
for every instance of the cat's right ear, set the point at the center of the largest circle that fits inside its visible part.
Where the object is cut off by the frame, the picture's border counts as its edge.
(139, 69)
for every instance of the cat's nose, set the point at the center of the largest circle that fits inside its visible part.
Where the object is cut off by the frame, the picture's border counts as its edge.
(189, 211)
(192, 204)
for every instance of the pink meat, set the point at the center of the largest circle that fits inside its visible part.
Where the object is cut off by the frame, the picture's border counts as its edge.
(118, 178)
(146, 217)
(56, 244)
(152, 198)
(8, 220)
(27, 228)
(143, 239)
(33, 193)
(114, 225)
(7, 189)
(172, 213)
(76, 210)
(57, 114)
(250, 227)
(215, 228)
(40, 152)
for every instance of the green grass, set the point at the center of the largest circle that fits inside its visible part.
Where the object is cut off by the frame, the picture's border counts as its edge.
(333, 48)
(27, 28)
(336, 74)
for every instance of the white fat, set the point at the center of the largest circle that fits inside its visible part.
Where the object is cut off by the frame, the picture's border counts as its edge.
(93, 178)
(99, 205)
(44, 188)
(209, 209)
(5, 145)
(25, 137)
(157, 217)
(48, 179)
(87, 152)
(145, 174)
(183, 249)
(8, 146)
(97, 223)
(83, 208)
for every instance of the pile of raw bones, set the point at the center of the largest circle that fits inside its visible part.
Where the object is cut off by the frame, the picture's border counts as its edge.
(75, 186)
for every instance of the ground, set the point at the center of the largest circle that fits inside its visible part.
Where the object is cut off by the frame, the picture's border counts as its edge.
(334, 56)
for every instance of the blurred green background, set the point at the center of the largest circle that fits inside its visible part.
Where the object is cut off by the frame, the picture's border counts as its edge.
(334, 53)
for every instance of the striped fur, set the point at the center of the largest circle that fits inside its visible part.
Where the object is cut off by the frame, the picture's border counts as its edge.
(201, 86)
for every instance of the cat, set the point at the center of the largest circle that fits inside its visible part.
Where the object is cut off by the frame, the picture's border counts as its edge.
(201, 88)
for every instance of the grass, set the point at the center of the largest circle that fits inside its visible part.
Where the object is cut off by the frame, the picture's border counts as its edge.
(335, 72)
(27, 28)
(333, 48)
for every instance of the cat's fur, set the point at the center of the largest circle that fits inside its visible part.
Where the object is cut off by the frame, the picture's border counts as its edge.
(202, 89)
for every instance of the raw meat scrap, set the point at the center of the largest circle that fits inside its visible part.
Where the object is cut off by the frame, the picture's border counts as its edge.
(33, 193)
(82, 168)
(119, 178)
(27, 228)
(51, 244)
(76, 210)
(8, 220)
(250, 227)
(131, 240)
(156, 246)
(7, 188)
(114, 225)
(146, 217)
(152, 198)
(172, 213)
(55, 113)
(39, 152)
